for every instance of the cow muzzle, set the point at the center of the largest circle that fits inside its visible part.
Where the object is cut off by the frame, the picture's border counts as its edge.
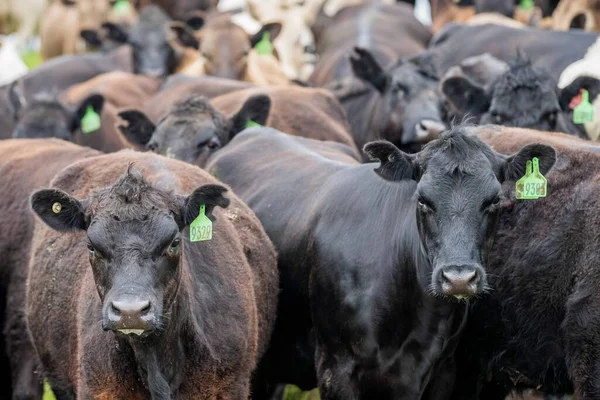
(130, 315)
(460, 281)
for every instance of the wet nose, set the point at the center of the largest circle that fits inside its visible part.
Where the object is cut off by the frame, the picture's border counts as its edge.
(460, 281)
(428, 129)
(130, 315)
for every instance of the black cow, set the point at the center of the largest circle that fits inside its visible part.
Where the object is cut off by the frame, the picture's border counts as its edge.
(379, 262)
(401, 103)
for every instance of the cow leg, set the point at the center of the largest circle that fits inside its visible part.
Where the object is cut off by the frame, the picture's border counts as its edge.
(334, 374)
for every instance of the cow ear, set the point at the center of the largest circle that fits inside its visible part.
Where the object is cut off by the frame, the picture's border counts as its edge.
(209, 195)
(465, 96)
(139, 128)
(183, 35)
(59, 210)
(256, 109)
(16, 98)
(94, 102)
(196, 20)
(115, 32)
(592, 85)
(365, 67)
(68, 3)
(272, 28)
(514, 165)
(91, 37)
(396, 165)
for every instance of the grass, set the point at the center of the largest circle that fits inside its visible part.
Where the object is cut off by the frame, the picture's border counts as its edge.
(48, 395)
(292, 392)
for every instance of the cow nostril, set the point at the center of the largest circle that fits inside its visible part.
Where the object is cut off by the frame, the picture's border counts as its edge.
(474, 278)
(114, 309)
(146, 309)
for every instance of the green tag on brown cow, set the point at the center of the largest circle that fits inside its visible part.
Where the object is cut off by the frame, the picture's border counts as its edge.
(251, 124)
(201, 227)
(90, 121)
(533, 185)
(584, 112)
(526, 5)
(121, 7)
(264, 47)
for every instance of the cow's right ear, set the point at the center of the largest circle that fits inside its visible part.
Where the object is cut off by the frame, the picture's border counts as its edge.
(59, 210)
(16, 98)
(115, 32)
(91, 37)
(396, 165)
(183, 35)
(465, 96)
(256, 109)
(210, 196)
(368, 69)
(139, 128)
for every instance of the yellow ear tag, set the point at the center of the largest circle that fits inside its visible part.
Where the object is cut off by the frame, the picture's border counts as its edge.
(584, 112)
(91, 121)
(201, 227)
(526, 5)
(56, 207)
(533, 185)
(264, 46)
(251, 124)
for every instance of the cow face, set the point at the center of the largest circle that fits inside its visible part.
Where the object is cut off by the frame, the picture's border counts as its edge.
(134, 244)
(411, 107)
(47, 117)
(519, 96)
(457, 201)
(193, 130)
(152, 53)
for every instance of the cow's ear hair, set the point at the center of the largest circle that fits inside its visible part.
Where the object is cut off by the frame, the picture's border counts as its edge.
(91, 37)
(591, 84)
(139, 128)
(465, 96)
(274, 28)
(59, 210)
(366, 68)
(183, 35)
(95, 101)
(16, 98)
(115, 32)
(196, 20)
(396, 165)
(209, 195)
(514, 166)
(255, 109)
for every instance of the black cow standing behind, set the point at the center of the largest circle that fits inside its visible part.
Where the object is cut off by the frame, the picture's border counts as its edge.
(378, 262)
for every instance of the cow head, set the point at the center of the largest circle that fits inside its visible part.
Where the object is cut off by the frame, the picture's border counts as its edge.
(46, 117)
(193, 130)
(223, 45)
(457, 199)
(517, 95)
(148, 38)
(411, 109)
(134, 244)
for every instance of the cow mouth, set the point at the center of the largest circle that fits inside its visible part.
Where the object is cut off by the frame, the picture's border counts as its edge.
(132, 332)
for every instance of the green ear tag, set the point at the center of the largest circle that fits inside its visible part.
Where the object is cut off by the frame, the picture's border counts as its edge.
(201, 227)
(251, 124)
(533, 185)
(584, 112)
(48, 393)
(264, 46)
(121, 7)
(526, 5)
(90, 121)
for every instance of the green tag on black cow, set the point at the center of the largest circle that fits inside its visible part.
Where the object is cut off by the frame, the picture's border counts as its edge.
(90, 121)
(264, 47)
(201, 227)
(584, 111)
(526, 5)
(121, 7)
(533, 185)
(251, 124)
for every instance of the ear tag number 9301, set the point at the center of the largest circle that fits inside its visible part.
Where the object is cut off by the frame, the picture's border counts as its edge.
(201, 227)
(533, 185)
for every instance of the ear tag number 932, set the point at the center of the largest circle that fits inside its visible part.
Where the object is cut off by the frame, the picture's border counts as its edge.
(533, 185)
(201, 227)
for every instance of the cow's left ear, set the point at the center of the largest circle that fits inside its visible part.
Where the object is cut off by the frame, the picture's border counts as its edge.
(274, 28)
(591, 84)
(465, 95)
(396, 165)
(183, 35)
(209, 195)
(366, 68)
(514, 166)
(92, 104)
(59, 210)
(91, 37)
(256, 109)
(115, 32)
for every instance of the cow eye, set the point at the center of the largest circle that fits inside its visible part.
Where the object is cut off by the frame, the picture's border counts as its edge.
(175, 243)
(400, 88)
(496, 118)
(491, 204)
(425, 205)
(91, 250)
(212, 143)
(551, 117)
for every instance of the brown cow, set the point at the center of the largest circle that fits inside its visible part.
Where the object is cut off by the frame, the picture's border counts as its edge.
(157, 315)
(576, 14)
(26, 165)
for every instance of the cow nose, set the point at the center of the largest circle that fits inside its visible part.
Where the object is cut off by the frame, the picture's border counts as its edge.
(428, 129)
(130, 316)
(460, 281)
(154, 72)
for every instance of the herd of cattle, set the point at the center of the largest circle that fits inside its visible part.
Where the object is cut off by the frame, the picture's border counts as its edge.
(195, 208)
